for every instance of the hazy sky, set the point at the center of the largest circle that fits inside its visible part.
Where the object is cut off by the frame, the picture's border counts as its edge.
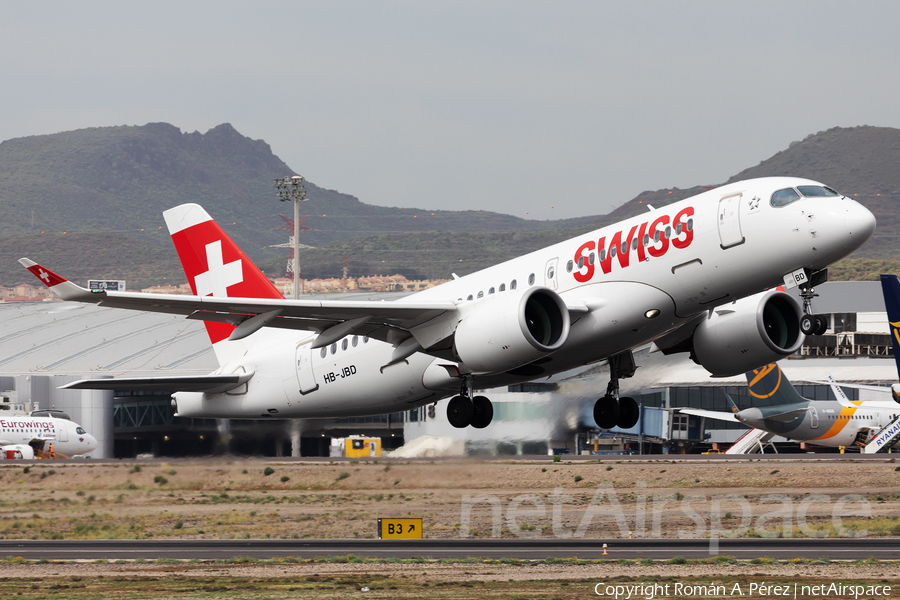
(506, 106)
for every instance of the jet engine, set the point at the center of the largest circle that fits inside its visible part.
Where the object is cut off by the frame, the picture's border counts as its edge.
(509, 330)
(748, 334)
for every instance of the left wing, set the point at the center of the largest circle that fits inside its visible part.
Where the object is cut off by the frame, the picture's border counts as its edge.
(386, 321)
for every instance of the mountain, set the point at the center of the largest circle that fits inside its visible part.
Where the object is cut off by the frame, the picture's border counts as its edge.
(88, 203)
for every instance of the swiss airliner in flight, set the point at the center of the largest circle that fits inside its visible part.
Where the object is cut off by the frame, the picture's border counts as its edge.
(689, 277)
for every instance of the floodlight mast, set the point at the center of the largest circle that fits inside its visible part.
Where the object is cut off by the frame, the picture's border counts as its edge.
(287, 189)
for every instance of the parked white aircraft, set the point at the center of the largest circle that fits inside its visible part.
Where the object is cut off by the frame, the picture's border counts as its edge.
(832, 423)
(687, 276)
(25, 434)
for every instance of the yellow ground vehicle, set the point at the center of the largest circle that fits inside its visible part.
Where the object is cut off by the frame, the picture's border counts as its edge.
(712, 451)
(356, 446)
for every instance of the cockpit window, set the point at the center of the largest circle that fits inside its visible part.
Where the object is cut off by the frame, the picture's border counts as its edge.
(783, 197)
(80, 430)
(816, 191)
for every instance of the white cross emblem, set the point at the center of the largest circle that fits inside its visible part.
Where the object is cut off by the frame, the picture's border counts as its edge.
(44, 276)
(220, 276)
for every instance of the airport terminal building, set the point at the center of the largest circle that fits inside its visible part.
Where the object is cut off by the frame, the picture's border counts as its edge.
(44, 345)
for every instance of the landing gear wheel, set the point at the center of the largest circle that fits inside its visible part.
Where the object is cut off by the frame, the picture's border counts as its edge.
(628, 413)
(808, 324)
(459, 411)
(606, 412)
(821, 324)
(482, 412)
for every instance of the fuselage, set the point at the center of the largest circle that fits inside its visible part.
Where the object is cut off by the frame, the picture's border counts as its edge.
(824, 422)
(626, 285)
(68, 438)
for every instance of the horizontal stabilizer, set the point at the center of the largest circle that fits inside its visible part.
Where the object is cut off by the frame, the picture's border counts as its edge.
(187, 383)
(710, 414)
(787, 416)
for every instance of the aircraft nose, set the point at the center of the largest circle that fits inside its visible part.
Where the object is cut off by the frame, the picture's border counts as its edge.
(91, 441)
(860, 222)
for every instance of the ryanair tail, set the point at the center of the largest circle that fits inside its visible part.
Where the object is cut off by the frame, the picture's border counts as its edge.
(890, 286)
(769, 385)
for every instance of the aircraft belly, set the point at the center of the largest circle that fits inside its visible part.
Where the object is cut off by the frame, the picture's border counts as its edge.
(618, 324)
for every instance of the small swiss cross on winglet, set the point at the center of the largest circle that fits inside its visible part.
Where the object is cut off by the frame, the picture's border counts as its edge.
(49, 278)
(63, 287)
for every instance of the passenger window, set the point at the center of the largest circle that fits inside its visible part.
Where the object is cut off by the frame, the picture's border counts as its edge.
(470, 297)
(531, 279)
(678, 229)
(784, 197)
(656, 236)
(646, 239)
(502, 287)
(354, 341)
(591, 258)
(491, 291)
(634, 243)
(690, 225)
(816, 191)
(324, 352)
(366, 340)
(481, 294)
(550, 273)
(512, 284)
(668, 232)
(603, 254)
(334, 348)
(624, 249)
(345, 343)
(580, 261)
(612, 252)
(570, 265)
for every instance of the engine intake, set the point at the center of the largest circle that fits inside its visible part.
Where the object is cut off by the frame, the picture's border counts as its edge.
(510, 330)
(748, 334)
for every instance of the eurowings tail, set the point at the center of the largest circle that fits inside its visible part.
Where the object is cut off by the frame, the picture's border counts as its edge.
(215, 266)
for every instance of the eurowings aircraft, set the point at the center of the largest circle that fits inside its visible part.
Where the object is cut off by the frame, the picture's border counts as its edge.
(25, 434)
(833, 423)
(689, 277)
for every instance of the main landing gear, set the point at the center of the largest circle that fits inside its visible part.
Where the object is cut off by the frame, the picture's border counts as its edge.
(465, 410)
(812, 324)
(611, 410)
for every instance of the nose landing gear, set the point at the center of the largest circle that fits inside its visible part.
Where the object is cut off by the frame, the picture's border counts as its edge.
(611, 410)
(465, 410)
(810, 323)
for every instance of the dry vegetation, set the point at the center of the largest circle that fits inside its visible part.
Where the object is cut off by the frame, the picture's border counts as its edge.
(237, 499)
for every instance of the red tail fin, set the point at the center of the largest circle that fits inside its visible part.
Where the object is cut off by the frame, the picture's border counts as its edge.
(213, 263)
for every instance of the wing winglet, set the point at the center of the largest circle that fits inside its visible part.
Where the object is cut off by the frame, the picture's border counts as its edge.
(61, 286)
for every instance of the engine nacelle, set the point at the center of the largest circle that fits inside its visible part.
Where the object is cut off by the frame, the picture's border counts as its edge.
(510, 330)
(748, 334)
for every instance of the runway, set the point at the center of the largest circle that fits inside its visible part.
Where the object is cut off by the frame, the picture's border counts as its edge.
(524, 549)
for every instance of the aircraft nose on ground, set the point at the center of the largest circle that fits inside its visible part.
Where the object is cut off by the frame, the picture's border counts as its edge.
(860, 222)
(91, 442)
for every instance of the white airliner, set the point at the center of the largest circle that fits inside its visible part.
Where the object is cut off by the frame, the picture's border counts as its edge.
(689, 277)
(832, 423)
(20, 436)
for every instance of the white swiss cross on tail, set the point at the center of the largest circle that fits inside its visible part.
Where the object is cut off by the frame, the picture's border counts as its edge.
(220, 276)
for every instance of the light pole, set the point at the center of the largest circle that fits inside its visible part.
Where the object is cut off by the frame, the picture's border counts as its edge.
(291, 188)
